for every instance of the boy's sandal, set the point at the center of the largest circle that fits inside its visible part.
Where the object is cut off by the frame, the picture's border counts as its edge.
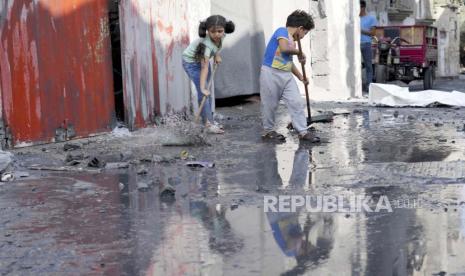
(309, 137)
(273, 135)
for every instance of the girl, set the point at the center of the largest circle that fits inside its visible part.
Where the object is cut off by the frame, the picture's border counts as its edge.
(196, 59)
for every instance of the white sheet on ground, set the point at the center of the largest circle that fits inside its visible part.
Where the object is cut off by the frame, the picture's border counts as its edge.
(396, 96)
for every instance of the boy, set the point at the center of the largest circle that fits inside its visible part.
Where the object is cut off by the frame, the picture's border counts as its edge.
(277, 81)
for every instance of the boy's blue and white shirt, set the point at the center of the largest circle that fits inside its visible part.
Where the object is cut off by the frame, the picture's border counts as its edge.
(273, 56)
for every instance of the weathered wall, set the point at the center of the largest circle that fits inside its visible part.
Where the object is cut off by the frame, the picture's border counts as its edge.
(140, 63)
(171, 36)
(462, 35)
(447, 22)
(336, 57)
(154, 33)
(56, 69)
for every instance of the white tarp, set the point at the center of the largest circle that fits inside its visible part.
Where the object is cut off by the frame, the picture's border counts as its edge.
(396, 96)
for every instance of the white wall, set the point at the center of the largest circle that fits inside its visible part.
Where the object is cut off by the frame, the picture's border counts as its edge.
(336, 55)
(447, 22)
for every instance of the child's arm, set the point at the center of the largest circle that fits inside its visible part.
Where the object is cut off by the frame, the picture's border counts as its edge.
(285, 49)
(218, 58)
(204, 75)
(297, 73)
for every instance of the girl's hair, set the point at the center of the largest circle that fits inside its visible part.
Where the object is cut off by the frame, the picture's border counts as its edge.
(212, 21)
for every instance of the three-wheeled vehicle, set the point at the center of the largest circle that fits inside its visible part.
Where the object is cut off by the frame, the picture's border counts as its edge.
(405, 53)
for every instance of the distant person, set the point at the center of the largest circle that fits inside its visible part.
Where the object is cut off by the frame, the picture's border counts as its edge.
(196, 62)
(367, 26)
(277, 77)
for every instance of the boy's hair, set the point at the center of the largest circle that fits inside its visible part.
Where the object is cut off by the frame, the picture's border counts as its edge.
(300, 18)
(212, 21)
(363, 4)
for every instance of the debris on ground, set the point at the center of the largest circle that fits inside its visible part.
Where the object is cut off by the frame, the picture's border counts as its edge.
(121, 132)
(141, 186)
(74, 157)
(96, 162)
(167, 190)
(62, 169)
(142, 171)
(121, 186)
(6, 158)
(73, 163)
(200, 164)
(117, 165)
(71, 146)
(7, 177)
(185, 134)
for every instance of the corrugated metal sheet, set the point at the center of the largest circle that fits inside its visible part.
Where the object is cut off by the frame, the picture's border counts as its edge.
(56, 68)
(154, 33)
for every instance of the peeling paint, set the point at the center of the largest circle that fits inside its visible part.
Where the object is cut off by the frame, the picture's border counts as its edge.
(47, 78)
(153, 37)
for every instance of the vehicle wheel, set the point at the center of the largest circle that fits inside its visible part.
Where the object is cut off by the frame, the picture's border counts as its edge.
(381, 73)
(428, 78)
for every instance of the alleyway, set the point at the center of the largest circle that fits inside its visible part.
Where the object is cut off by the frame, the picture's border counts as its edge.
(114, 222)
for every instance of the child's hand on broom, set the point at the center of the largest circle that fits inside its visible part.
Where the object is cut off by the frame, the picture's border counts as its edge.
(205, 92)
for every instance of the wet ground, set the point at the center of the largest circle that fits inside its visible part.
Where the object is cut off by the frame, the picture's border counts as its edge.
(115, 223)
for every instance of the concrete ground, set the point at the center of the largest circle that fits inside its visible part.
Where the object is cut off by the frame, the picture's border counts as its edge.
(114, 222)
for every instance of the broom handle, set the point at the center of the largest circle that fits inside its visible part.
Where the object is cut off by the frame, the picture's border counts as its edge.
(306, 85)
(204, 98)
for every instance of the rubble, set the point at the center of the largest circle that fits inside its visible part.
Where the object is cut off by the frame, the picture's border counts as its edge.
(117, 165)
(96, 162)
(7, 177)
(71, 146)
(200, 164)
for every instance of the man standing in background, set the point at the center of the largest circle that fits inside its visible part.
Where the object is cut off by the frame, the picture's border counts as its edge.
(367, 26)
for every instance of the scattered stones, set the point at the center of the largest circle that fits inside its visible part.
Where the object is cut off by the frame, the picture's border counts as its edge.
(7, 177)
(73, 163)
(96, 162)
(142, 171)
(142, 186)
(167, 191)
(121, 186)
(117, 165)
(200, 164)
(74, 157)
(71, 146)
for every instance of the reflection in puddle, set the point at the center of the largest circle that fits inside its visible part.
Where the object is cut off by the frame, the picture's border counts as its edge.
(106, 224)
